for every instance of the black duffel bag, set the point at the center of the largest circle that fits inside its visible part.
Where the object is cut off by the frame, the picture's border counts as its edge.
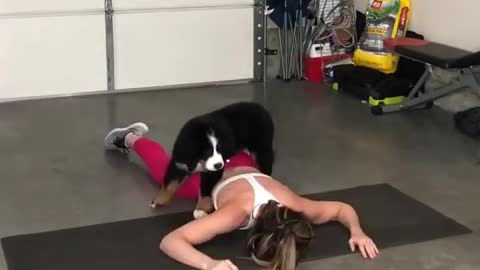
(468, 122)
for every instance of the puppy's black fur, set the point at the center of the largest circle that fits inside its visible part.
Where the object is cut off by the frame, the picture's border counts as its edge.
(239, 126)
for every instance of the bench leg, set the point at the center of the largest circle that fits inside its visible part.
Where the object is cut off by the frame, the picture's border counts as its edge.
(421, 82)
(416, 98)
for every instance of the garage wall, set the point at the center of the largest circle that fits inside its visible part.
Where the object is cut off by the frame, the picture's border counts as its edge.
(451, 22)
(57, 47)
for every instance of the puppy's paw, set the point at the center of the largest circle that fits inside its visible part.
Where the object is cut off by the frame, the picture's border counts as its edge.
(153, 204)
(163, 198)
(199, 214)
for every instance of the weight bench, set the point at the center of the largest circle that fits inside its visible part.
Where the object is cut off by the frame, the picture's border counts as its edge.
(431, 54)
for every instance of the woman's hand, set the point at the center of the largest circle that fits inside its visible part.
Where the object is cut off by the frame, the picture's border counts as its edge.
(221, 265)
(366, 246)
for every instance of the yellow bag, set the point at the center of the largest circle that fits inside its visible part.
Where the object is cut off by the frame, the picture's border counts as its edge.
(385, 19)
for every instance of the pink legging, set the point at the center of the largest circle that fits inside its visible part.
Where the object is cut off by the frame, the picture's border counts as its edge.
(157, 159)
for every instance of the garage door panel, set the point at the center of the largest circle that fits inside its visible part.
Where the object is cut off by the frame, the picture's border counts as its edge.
(151, 4)
(183, 47)
(156, 43)
(52, 55)
(28, 6)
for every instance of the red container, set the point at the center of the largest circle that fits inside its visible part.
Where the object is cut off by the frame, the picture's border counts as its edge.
(313, 66)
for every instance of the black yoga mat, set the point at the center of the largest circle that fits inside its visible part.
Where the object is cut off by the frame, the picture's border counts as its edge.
(390, 217)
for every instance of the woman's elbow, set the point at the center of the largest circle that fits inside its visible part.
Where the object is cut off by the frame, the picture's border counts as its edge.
(166, 242)
(163, 243)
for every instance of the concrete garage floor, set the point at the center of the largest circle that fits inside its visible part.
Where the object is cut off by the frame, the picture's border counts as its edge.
(55, 174)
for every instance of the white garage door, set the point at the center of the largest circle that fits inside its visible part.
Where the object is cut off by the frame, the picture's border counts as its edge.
(45, 54)
(58, 47)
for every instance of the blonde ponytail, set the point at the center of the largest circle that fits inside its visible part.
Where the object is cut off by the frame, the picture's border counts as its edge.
(287, 256)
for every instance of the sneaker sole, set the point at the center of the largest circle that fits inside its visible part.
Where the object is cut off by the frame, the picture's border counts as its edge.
(138, 127)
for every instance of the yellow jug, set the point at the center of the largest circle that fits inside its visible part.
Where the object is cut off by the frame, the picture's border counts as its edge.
(385, 19)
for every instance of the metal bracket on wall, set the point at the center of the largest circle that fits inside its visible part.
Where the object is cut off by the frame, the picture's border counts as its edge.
(109, 45)
(259, 41)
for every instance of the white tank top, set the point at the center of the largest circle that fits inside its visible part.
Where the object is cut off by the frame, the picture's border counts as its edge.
(261, 195)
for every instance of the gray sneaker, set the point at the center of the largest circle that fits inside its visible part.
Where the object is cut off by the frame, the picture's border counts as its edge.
(115, 139)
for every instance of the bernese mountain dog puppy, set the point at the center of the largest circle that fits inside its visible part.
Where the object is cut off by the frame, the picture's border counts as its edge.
(206, 142)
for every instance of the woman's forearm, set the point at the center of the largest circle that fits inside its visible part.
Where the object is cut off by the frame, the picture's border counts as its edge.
(349, 218)
(184, 252)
